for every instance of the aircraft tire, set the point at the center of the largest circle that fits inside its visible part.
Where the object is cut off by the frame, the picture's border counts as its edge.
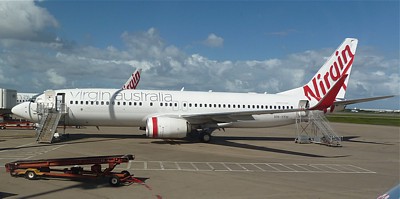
(205, 137)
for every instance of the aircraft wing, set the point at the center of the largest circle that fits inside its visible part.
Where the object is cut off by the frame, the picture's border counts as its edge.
(219, 117)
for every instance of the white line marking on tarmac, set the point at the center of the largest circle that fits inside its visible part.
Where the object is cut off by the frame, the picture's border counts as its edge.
(275, 167)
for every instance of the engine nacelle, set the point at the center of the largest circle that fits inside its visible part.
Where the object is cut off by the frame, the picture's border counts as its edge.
(165, 127)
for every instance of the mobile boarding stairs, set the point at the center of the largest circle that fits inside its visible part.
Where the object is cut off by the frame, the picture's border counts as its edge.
(313, 127)
(52, 112)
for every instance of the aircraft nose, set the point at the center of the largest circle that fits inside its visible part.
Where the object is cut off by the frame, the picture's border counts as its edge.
(21, 110)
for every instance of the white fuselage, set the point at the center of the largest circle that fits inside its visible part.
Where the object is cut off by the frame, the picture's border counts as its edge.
(113, 107)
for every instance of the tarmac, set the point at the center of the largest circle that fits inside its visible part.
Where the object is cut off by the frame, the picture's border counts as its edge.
(238, 163)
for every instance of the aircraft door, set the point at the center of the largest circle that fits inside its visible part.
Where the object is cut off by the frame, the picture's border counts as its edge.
(175, 106)
(60, 102)
(184, 106)
(303, 104)
(49, 99)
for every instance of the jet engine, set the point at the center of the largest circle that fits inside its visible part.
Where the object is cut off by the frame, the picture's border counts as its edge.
(165, 127)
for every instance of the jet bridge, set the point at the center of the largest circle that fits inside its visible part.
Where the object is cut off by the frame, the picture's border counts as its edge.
(52, 111)
(8, 99)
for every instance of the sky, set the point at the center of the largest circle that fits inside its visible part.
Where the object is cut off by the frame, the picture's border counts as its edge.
(228, 46)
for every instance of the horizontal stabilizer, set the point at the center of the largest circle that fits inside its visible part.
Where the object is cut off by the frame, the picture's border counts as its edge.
(354, 101)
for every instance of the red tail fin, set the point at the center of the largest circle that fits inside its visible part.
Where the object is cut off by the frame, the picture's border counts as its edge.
(329, 98)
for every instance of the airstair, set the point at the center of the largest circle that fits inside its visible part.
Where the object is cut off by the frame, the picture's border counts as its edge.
(313, 127)
(51, 115)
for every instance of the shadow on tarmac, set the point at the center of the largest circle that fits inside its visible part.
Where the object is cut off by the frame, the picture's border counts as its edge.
(229, 141)
(217, 140)
(74, 139)
(85, 184)
(351, 139)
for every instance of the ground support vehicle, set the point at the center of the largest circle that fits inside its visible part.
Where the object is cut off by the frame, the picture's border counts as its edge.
(32, 169)
(17, 124)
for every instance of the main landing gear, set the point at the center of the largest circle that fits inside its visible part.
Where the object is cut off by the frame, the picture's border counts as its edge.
(205, 135)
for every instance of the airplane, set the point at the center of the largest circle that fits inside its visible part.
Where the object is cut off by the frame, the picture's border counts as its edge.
(131, 83)
(25, 97)
(177, 114)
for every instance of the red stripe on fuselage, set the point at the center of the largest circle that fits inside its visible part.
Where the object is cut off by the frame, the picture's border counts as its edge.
(155, 127)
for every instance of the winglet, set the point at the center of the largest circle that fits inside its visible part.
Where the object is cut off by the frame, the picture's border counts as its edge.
(328, 100)
(133, 80)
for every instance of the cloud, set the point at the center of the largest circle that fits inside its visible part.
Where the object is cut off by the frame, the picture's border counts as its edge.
(283, 33)
(166, 66)
(213, 41)
(24, 20)
(54, 78)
